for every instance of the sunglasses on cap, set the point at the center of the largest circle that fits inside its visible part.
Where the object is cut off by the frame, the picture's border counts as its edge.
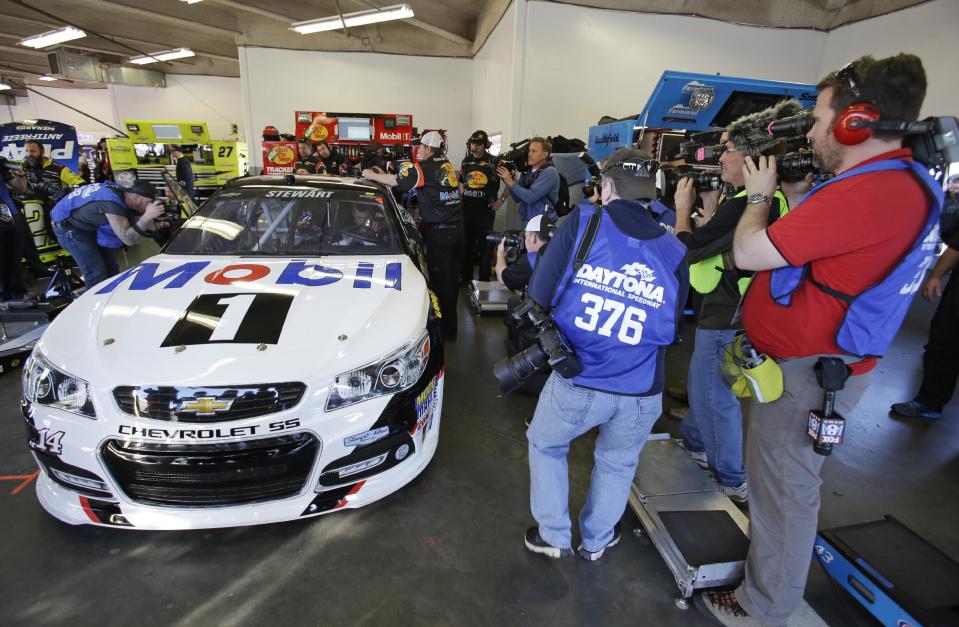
(847, 75)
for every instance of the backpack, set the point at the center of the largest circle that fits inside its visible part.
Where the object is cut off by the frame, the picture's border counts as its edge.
(562, 197)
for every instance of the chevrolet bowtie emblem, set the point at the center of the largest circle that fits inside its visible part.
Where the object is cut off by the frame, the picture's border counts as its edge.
(205, 406)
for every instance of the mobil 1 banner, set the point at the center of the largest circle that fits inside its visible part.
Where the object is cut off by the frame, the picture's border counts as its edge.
(59, 141)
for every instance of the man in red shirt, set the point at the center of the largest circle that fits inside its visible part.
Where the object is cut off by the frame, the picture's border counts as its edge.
(850, 236)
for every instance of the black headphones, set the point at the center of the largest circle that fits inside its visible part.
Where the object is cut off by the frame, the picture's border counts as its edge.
(477, 137)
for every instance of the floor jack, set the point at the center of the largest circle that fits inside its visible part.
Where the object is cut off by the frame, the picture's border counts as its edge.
(700, 534)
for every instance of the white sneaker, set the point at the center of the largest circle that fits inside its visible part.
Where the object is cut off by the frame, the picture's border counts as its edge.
(698, 456)
(739, 493)
(722, 608)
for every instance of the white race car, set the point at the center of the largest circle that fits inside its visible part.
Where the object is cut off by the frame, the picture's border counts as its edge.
(281, 358)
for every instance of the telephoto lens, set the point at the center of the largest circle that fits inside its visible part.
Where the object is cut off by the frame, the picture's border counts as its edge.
(707, 181)
(793, 126)
(512, 371)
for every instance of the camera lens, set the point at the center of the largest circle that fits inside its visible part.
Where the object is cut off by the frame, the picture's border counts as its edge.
(512, 371)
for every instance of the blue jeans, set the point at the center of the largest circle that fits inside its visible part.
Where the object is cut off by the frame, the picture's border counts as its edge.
(95, 262)
(714, 422)
(565, 412)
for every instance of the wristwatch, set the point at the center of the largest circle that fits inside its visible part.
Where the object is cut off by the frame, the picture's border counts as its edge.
(755, 199)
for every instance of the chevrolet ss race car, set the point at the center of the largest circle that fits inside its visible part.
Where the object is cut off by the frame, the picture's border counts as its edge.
(280, 358)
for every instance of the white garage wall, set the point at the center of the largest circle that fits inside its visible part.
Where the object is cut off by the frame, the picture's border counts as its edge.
(215, 100)
(493, 77)
(436, 91)
(927, 30)
(608, 62)
(96, 102)
(212, 99)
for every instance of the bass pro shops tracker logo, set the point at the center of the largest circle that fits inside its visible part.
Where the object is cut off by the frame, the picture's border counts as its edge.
(634, 281)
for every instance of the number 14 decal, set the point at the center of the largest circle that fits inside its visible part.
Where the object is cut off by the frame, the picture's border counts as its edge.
(49, 441)
(630, 328)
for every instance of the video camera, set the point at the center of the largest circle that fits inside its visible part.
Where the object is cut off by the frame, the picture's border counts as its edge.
(934, 141)
(705, 181)
(515, 243)
(517, 158)
(550, 350)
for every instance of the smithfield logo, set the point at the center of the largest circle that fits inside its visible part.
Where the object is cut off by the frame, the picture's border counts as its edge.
(628, 283)
(607, 138)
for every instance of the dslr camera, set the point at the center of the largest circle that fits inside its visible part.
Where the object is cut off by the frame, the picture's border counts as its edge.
(515, 243)
(550, 350)
(704, 180)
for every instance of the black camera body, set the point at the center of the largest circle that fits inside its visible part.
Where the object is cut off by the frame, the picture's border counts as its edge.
(794, 167)
(515, 243)
(700, 154)
(550, 350)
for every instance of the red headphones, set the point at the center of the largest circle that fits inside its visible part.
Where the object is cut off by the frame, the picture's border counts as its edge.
(850, 128)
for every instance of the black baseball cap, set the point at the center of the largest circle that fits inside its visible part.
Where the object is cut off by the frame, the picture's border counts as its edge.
(479, 137)
(141, 188)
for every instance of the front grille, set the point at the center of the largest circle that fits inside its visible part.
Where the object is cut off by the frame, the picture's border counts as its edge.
(208, 404)
(205, 475)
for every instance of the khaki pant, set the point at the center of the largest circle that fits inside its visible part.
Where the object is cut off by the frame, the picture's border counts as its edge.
(783, 474)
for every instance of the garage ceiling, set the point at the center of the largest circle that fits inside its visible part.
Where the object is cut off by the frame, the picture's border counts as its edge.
(118, 29)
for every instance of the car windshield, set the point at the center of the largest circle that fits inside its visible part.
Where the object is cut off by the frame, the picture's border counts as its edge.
(289, 220)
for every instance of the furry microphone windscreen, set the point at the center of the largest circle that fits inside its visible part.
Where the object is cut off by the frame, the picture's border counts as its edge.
(750, 133)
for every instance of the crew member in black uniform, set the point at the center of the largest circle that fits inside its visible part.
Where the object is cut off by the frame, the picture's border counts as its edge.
(330, 161)
(438, 192)
(307, 161)
(480, 185)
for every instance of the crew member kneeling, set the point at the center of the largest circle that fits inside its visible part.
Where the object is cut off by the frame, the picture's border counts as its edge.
(93, 221)
(616, 283)
(837, 274)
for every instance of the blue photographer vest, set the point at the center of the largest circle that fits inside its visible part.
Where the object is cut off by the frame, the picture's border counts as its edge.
(664, 215)
(532, 260)
(875, 315)
(620, 307)
(102, 192)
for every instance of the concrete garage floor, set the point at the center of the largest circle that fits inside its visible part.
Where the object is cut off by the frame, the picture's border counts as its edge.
(447, 549)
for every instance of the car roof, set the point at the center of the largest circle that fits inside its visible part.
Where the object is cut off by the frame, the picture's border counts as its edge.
(303, 180)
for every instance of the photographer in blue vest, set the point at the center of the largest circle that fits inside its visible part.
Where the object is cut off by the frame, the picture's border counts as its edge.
(536, 189)
(93, 221)
(834, 279)
(615, 282)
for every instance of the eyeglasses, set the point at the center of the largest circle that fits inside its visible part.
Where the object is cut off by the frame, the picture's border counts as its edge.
(848, 76)
(726, 148)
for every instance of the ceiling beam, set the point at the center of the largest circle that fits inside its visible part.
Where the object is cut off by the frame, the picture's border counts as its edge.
(21, 50)
(436, 30)
(170, 19)
(239, 6)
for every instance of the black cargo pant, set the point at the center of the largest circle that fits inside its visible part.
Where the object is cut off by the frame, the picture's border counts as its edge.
(940, 362)
(12, 284)
(444, 259)
(477, 223)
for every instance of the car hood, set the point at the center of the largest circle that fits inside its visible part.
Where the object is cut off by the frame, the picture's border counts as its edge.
(168, 321)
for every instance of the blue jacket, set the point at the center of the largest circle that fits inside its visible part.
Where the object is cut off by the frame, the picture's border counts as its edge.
(534, 190)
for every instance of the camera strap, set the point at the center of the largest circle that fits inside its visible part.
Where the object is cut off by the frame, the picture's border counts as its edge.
(589, 236)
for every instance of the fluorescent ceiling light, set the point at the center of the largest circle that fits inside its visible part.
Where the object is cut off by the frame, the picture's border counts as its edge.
(163, 55)
(191, 1)
(360, 18)
(46, 77)
(4, 86)
(53, 37)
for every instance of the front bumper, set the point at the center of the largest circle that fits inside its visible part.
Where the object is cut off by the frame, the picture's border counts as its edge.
(158, 482)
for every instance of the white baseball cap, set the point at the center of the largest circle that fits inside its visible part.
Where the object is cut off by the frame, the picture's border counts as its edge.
(432, 139)
(533, 226)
